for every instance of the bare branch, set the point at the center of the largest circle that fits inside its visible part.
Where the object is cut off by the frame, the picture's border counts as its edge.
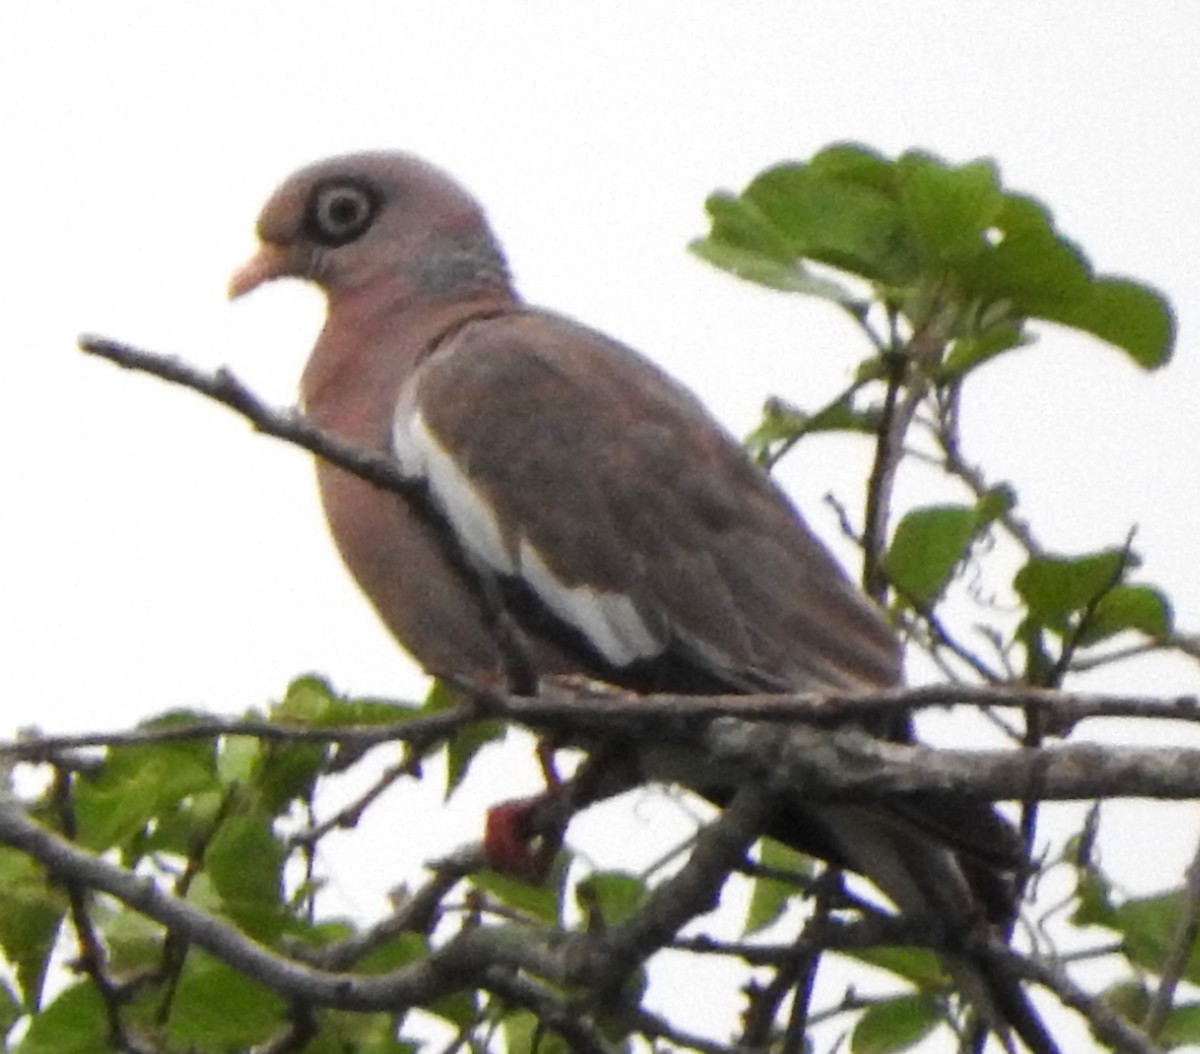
(289, 425)
(349, 815)
(551, 1009)
(1180, 951)
(743, 733)
(566, 702)
(1106, 1023)
(896, 417)
(849, 765)
(604, 711)
(484, 957)
(35, 747)
(653, 1026)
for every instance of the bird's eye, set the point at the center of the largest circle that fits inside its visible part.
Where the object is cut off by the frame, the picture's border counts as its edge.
(340, 212)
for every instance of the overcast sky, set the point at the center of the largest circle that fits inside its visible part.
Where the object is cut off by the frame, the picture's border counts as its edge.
(155, 553)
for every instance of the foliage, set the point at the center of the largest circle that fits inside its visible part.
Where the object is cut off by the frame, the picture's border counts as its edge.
(943, 270)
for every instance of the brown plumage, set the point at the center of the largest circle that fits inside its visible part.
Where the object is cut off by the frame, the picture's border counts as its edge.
(627, 536)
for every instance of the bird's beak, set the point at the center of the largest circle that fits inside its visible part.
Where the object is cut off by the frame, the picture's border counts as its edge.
(271, 261)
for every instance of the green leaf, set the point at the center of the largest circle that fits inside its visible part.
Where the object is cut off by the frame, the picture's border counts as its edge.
(1128, 315)
(342, 1031)
(928, 545)
(1055, 588)
(525, 1034)
(949, 207)
(841, 222)
(790, 276)
(245, 865)
(286, 772)
(218, 1009)
(1139, 608)
(181, 828)
(306, 701)
(237, 757)
(134, 942)
(782, 424)
(997, 501)
(969, 352)
(541, 902)
(1150, 926)
(738, 223)
(10, 1009)
(31, 911)
(312, 701)
(944, 242)
(1094, 904)
(401, 950)
(855, 164)
(769, 896)
(369, 712)
(1181, 1028)
(614, 895)
(919, 966)
(1027, 262)
(459, 1008)
(138, 783)
(895, 1024)
(75, 1023)
(465, 744)
(930, 542)
(1130, 999)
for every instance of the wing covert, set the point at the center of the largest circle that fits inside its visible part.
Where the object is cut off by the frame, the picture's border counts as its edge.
(569, 462)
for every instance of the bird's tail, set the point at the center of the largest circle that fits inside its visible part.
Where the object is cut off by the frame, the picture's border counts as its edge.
(999, 1000)
(933, 884)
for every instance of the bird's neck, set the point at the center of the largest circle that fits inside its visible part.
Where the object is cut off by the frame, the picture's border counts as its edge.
(368, 350)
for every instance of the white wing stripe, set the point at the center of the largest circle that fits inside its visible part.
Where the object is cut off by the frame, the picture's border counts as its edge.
(422, 457)
(610, 621)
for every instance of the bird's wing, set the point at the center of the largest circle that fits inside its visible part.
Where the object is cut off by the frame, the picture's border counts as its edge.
(568, 464)
(571, 466)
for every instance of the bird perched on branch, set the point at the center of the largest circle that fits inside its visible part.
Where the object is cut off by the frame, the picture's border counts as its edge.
(584, 514)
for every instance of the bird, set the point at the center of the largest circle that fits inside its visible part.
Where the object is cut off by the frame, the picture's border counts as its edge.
(582, 513)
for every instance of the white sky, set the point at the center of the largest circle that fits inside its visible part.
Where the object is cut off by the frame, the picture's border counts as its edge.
(155, 553)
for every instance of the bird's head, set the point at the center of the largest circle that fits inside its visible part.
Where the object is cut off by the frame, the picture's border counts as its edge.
(375, 221)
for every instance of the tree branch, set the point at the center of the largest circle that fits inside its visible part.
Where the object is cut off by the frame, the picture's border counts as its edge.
(600, 961)
(850, 765)
(224, 387)
(1179, 953)
(419, 730)
(742, 731)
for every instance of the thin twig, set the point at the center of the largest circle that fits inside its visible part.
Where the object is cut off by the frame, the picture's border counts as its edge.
(893, 423)
(1179, 954)
(1106, 1022)
(224, 387)
(652, 1026)
(35, 747)
(92, 959)
(349, 815)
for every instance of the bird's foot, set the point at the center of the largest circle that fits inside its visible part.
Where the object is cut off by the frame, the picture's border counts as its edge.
(512, 845)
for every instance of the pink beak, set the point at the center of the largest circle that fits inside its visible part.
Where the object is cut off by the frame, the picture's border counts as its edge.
(269, 262)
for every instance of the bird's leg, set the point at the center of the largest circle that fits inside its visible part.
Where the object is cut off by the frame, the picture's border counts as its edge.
(512, 844)
(511, 840)
(546, 748)
(523, 836)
